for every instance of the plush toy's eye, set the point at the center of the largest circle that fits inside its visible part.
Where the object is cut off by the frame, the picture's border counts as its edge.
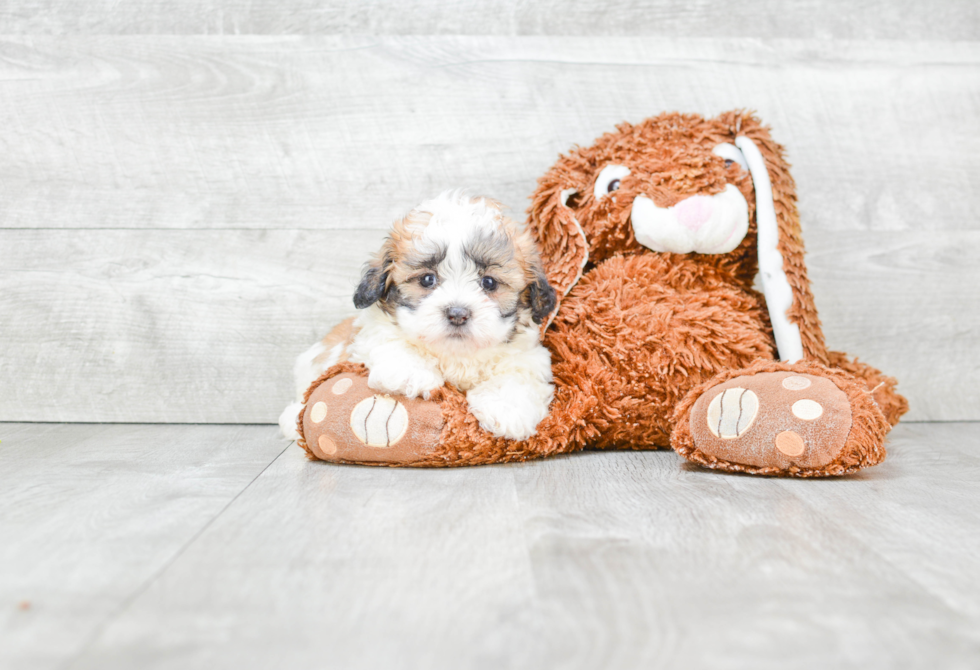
(489, 284)
(608, 180)
(570, 197)
(428, 280)
(731, 154)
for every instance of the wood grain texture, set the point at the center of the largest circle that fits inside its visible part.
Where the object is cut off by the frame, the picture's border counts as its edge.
(183, 215)
(906, 302)
(254, 132)
(90, 514)
(864, 19)
(167, 325)
(611, 560)
(203, 325)
(669, 566)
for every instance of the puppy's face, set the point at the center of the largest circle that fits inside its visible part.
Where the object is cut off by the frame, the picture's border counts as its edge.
(457, 276)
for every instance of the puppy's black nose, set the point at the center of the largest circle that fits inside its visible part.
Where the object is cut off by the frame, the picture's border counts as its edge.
(457, 315)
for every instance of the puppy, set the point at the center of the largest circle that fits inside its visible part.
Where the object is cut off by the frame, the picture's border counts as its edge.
(456, 294)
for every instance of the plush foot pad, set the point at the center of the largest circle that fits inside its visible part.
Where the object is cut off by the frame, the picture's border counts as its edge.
(345, 420)
(772, 422)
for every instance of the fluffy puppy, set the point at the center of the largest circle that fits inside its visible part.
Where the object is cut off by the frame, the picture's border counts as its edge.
(456, 294)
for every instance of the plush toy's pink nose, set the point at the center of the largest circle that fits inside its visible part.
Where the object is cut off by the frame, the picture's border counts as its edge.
(694, 212)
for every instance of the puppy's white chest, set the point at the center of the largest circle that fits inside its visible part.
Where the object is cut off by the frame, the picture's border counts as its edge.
(464, 374)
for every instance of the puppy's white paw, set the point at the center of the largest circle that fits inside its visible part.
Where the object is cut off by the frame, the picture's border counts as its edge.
(410, 382)
(512, 409)
(287, 421)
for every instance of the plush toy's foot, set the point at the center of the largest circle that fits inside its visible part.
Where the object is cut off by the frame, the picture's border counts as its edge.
(346, 421)
(800, 420)
(882, 387)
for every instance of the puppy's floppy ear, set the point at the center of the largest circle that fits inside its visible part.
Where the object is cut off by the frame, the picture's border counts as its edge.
(374, 281)
(538, 295)
(541, 298)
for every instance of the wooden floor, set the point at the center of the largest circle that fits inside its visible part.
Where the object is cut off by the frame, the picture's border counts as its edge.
(209, 546)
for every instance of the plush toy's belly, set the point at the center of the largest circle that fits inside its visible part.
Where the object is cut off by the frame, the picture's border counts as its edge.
(638, 332)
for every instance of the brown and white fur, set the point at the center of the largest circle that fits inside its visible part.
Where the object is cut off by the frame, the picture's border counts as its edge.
(456, 294)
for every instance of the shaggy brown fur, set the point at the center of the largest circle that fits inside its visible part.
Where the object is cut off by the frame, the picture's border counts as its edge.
(639, 335)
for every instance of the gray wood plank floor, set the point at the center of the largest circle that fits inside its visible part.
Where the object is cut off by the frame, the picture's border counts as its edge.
(139, 546)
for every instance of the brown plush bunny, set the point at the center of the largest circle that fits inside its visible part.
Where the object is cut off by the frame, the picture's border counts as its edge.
(653, 238)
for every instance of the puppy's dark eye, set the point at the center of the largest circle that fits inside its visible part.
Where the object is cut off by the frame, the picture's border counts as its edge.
(427, 280)
(489, 284)
(574, 200)
(613, 186)
(728, 162)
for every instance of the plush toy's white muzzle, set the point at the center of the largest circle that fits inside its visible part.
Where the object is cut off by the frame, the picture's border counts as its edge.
(705, 224)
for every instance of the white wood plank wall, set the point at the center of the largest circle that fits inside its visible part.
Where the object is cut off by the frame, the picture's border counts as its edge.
(181, 215)
(846, 19)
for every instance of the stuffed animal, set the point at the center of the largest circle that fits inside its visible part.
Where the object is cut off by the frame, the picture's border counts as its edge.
(653, 238)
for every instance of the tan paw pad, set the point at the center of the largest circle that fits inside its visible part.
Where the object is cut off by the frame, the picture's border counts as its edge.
(327, 446)
(319, 412)
(808, 410)
(796, 383)
(790, 443)
(732, 412)
(379, 421)
(342, 386)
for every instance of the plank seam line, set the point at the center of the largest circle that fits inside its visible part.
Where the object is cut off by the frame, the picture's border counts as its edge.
(142, 588)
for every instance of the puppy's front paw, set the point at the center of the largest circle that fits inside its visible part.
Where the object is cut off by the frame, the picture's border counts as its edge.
(410, 382)
(512, 410)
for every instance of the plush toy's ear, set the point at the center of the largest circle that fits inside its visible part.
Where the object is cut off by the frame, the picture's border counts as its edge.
(561, 240)
(782, 269)
(374, 279)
